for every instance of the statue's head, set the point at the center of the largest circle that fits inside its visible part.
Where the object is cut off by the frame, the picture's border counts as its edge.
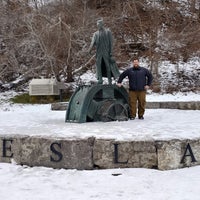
(100, 23)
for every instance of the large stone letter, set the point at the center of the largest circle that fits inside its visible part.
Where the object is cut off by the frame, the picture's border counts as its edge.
(116, 155)
(59, 154)
(5, 148)
(190, 154)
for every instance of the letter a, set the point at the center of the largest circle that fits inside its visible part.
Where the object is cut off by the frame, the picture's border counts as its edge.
(190, 154)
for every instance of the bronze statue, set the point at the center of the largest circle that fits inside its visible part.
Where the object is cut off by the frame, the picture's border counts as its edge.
(105, 63)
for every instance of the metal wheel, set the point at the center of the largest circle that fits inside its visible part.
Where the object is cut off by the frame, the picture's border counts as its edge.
(113, 111)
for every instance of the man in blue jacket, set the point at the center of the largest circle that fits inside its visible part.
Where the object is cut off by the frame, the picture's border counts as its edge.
(140, 80)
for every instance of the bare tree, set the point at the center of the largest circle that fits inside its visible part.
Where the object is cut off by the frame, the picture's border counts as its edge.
(39, 37)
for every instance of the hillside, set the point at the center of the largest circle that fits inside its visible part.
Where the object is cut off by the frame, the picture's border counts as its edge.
(49, 38)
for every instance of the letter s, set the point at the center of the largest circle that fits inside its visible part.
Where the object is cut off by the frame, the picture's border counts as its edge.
(59, 154)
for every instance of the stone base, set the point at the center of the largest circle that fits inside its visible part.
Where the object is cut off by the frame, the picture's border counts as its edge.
(92, 153)
(190, 105)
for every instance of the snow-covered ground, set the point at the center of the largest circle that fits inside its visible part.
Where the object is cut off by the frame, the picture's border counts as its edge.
(158, 123)
(179, 96)
(39, 183)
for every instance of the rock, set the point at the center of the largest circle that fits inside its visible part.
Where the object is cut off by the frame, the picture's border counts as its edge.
(48, 152)
(176, 154)
(193, 105)
(115, 154)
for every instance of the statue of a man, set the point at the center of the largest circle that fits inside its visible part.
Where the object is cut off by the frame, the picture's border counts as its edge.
(105, 64)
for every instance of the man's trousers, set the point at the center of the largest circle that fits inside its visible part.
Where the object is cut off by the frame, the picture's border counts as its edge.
(137, 99)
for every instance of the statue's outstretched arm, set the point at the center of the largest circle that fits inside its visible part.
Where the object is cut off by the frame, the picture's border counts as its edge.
(110, 43)
(92, 44)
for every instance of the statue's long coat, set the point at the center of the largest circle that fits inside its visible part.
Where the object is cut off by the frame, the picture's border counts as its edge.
(102, 40)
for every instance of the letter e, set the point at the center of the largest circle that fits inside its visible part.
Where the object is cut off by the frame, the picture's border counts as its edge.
(7, 148)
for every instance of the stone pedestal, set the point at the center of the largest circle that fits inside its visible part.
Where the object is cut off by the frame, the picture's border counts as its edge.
(92, 153)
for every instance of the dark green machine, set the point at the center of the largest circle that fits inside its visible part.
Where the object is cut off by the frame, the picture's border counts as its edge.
(91, 103)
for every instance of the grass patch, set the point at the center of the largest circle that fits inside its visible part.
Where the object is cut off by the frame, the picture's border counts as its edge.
(27, 99)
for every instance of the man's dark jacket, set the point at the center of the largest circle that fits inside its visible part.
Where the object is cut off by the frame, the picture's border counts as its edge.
(138, 78)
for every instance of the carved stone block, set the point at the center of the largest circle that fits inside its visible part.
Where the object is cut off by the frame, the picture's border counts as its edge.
(124, 154)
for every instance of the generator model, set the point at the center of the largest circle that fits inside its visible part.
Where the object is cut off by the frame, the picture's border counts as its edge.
(91, 103)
